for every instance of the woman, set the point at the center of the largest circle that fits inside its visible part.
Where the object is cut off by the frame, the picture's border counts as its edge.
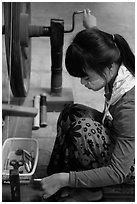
(95, 149)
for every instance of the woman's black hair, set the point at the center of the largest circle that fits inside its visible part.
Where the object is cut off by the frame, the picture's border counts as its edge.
(95, 49)
(127, 56)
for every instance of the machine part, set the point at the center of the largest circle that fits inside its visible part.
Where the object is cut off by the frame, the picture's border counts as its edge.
(27, 154)
(39, 31)
(6, 164)
(7, 31)
(73, 21)
(19, 152)
(18, 32)
(14, 110)
(27, 167)
(14, 179)
(38, 179)
(30, 164)
(24, 31)
(21, 171)
(19, 54)
(56, 40)
(15, 185)
(32, 156)
(27, 159)
(16, 164)
(3, 122)
(43, 110)
(36, 120)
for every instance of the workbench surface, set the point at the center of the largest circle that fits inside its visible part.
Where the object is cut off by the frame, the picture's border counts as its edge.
(32, 193)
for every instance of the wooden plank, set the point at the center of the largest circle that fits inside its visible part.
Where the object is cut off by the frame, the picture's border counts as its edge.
(122, 192)
(14, 110)
(16, 126)
(55, 103)
(33, 193)
(29, 193)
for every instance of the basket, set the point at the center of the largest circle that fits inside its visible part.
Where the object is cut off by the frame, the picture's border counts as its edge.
(10, 146)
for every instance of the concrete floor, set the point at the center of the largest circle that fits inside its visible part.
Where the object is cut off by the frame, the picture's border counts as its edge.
(111, 17)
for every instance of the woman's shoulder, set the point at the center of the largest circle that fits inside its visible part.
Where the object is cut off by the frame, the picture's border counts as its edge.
(127, 99)
(130, 95)
(123, 113)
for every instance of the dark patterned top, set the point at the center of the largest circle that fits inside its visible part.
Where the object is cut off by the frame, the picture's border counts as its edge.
(123, 113)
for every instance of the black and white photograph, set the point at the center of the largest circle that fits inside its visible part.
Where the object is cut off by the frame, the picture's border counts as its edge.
(68, 101)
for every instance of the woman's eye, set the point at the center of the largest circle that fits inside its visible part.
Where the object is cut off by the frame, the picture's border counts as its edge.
(86, 78)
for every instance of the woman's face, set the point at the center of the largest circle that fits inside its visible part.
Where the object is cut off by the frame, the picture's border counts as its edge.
(95, 82)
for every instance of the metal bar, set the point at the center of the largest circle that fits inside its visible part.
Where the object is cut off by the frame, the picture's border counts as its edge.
(73, 21)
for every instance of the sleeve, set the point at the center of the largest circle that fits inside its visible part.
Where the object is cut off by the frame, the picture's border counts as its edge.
(122, 156)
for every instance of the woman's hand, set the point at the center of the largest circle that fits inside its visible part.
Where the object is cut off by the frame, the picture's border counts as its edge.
(89, 20)
(53, 183)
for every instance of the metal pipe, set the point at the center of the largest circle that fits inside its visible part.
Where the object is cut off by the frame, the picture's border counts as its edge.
(39, 31)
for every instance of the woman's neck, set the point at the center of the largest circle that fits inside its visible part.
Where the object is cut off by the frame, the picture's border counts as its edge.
(109, 86)
(117, 66)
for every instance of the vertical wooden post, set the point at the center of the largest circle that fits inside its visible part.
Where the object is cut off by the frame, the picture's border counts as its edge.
(57, 40)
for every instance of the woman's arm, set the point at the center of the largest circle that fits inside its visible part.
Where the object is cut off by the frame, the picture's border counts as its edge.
(121, 161)
(53, 183)
(123, 154)
(113, 174)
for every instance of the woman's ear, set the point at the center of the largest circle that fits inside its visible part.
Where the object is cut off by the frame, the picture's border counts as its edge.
(108, 73)
(111, 70)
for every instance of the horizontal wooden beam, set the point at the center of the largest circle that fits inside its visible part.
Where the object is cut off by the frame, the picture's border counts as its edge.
(21, 111)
